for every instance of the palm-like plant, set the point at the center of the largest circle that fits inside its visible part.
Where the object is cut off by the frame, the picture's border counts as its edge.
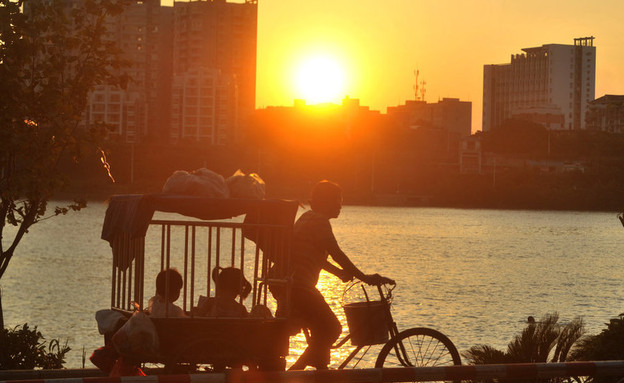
(540, 342)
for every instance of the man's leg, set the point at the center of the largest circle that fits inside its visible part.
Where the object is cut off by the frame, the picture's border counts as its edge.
(324, 328)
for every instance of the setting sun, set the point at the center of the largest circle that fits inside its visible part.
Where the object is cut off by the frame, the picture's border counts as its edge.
(319, 79)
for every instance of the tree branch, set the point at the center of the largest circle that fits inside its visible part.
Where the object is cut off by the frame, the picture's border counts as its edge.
(4, 209)
(5, 257)
(29, 219)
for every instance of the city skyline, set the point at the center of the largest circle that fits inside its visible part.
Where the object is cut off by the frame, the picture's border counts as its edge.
(379, 45)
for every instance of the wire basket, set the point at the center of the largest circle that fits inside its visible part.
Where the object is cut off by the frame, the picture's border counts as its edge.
(368, 322)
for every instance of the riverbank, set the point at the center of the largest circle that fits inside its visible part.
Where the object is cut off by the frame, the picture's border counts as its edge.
(6, 375)
(145, 168)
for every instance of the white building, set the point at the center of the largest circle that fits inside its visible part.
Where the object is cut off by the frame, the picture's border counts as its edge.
(551, 84)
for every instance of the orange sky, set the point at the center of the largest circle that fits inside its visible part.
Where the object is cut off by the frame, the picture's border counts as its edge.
(379, 44)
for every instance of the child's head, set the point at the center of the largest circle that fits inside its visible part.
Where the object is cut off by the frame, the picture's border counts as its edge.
(168, 284)
(326, 198)
(231, 280)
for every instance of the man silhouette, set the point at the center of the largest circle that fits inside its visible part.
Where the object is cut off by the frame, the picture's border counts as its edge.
(313, 241)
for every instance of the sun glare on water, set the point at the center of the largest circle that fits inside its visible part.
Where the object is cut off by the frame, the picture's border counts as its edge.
(319, 79)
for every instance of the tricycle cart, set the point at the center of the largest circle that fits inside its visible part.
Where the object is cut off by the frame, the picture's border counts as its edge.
(206, 232)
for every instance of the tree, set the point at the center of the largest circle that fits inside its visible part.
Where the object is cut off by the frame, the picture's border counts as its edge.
(517, 137)
(51, 57)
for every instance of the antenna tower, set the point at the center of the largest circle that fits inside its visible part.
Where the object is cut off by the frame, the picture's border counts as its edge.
(422, 90)
(416, 85)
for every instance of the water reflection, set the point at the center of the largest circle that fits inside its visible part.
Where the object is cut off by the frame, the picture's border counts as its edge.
(474, 275)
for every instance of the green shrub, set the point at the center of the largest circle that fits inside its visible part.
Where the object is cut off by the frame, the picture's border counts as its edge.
(26, 349)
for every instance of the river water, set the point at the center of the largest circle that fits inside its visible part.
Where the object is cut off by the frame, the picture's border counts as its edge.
(475, 275)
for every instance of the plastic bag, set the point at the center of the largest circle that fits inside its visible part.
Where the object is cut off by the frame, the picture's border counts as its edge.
(243, 185)
(108, 320)
(200, 182)
(104, 358)
(137, 337)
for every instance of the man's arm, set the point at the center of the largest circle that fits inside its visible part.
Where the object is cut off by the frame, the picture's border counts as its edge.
(337, 271)
(353, 272)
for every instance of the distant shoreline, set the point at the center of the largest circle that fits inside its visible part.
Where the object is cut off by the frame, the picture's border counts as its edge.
(103, 193)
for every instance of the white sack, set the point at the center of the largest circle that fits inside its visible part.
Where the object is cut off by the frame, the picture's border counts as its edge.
(200, 182)
(243, 185)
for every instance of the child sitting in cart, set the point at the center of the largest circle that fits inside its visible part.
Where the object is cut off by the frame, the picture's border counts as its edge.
(168, 285)
(230, 284)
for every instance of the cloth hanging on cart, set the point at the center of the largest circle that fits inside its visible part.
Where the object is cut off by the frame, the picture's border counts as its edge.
(131, 214)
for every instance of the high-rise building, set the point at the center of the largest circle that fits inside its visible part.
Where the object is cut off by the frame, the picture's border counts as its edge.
(140, 33)
(136, 111)
(216, 41)
(130, 112)
(192, 70)
(551, 85)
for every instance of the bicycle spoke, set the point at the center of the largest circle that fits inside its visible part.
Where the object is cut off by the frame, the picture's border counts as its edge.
(426, 351)
(420, 348)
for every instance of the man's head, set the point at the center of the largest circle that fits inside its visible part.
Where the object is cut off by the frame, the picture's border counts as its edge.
(168, 284)
(326, 198)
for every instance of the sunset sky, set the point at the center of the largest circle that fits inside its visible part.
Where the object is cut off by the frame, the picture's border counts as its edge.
(370, 49)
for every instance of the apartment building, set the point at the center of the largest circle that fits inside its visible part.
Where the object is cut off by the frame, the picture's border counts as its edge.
(193, 62)
(552, 85)
(214, 44)
(139, 110)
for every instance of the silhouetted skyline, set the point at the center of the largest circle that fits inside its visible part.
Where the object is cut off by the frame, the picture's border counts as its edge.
(380, 44)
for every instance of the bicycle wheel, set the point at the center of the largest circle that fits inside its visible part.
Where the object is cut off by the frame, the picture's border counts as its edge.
(418, 347)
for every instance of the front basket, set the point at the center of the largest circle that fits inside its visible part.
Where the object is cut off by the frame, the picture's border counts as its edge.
(368, 322)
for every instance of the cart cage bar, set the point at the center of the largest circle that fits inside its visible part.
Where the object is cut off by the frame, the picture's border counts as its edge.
(259, 245)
